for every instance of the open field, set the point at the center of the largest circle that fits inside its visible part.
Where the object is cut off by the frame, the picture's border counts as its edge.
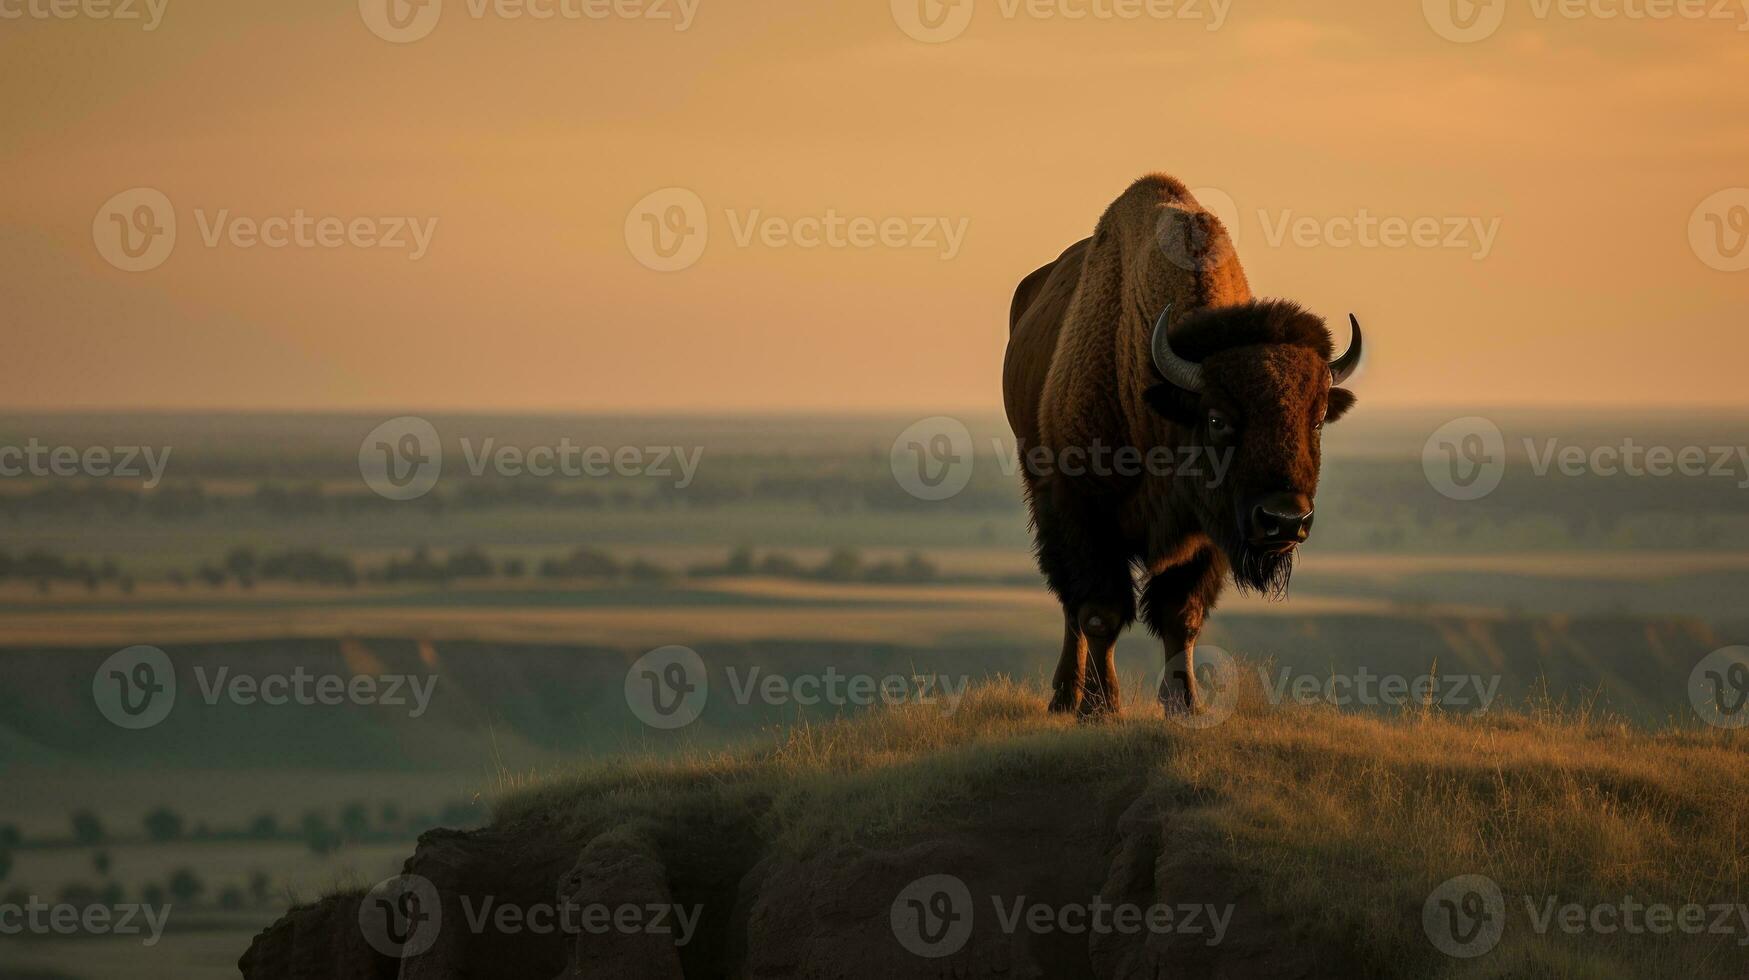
(798, 559)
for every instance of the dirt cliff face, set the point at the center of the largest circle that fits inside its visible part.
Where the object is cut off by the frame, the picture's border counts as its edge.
(844, 912)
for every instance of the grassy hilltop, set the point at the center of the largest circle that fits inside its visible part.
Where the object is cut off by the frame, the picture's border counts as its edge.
(1322, 833)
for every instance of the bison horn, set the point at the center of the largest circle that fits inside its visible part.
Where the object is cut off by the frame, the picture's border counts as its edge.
(1185, 374)
(1344, 366)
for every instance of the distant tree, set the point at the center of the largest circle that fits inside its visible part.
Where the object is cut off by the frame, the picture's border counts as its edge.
(740, 561)
(87, 829)
(163, 824)
(917, 568)
(647, 572)
(100, 862)
(231, 898)
(514, 568)
(185, 886)
(260, 887)
(842, 565)
(5, 865)
(469, 563)
(318, 835)
(241, 562)
(10, 835)
(779, 565)
(264, 827)
(354, 821)
(153, 894)
(390, 815)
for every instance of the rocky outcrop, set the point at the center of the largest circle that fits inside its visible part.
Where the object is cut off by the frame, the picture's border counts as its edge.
(1043, 882)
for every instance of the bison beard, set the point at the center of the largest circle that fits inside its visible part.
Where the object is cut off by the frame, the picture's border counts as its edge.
(1264, 572)
(1092, 360)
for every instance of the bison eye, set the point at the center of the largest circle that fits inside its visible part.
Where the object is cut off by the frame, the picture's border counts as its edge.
(1218, 425)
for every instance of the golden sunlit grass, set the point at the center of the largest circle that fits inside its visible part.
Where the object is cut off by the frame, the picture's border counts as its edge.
(1344, 821)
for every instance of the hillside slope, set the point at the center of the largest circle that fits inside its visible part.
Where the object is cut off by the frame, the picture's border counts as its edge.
(1286, 842)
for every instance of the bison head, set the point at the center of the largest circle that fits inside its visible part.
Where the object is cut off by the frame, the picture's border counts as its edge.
(1253, 385)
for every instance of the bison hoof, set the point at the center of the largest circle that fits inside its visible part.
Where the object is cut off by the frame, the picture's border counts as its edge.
(1063, 702)
(1178, 704)
(1098, 708)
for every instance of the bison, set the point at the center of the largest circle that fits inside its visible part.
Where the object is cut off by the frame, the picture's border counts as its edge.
(1168, 424)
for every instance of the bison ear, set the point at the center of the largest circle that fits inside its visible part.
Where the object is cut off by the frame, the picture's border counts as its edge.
(1174, 403)
(1341, 400)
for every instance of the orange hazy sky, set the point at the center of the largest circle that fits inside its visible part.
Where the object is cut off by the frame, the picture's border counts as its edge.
(1577, 181)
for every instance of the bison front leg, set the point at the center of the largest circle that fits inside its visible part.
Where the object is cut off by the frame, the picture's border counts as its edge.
(1081, 553)
(1174, 603)
(1071, 667)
